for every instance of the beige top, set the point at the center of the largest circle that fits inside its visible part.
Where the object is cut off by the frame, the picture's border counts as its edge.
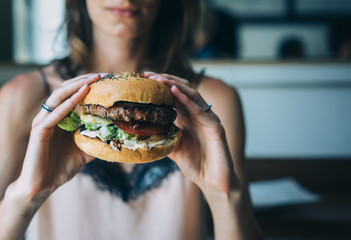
(79, 210)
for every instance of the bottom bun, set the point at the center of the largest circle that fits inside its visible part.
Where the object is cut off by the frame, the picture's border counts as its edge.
(103, 151)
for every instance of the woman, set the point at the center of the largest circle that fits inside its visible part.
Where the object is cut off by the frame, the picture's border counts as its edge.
(37, 159)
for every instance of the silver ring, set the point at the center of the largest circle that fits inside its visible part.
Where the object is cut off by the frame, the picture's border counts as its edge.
(46, 107)
(209, 105)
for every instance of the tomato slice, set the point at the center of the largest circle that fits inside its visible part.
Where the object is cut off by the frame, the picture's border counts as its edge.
(142, 128)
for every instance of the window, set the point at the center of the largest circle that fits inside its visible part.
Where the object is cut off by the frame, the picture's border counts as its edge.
(35, 30)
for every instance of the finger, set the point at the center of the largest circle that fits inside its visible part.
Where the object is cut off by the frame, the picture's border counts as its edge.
(186, 105)
(170, 77)
(64, 109)
(153, 75)
(176, 78)
(82, 76)
(68, 88)
(149, 73)
(170, 80)
(66, 82)
(187, 90)
(64, 92)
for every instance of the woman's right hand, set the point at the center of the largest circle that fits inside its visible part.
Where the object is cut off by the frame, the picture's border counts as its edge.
(52, 158)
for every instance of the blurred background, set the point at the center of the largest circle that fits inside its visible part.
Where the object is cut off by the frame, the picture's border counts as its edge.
(290, 61)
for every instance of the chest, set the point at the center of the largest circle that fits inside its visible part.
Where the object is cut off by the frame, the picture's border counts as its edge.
(171, 209)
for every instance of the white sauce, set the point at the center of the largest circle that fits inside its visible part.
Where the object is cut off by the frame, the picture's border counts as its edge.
(134, 144)
(146, 144)
(92, 134)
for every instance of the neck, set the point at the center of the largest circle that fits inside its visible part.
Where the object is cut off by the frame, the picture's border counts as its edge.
(111, 54)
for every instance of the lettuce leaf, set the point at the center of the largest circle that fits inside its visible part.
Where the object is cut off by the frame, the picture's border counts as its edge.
(71, 122)
(105, 128)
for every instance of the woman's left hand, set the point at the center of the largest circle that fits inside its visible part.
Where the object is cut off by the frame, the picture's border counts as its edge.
(202, 154)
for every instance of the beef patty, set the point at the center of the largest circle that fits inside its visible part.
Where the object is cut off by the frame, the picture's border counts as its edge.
(129, 112)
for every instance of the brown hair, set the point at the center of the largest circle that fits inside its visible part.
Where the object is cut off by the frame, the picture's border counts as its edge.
(172, 34)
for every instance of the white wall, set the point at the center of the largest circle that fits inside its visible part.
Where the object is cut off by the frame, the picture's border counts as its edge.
(47, 19)
(248, 8)
(21, 31)
(292, 110)
(36, 24)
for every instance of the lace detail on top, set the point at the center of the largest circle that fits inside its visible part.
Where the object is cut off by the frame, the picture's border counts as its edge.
(128, 186)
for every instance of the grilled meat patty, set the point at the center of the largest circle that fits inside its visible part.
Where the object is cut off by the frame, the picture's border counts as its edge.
(129, 112)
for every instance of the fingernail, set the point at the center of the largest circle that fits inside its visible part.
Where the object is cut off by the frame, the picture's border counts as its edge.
(158, 77)
(154, 76)
(103, 74)
(148, 72)
(94, 75)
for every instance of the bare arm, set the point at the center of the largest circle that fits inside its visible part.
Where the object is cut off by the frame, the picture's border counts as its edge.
(16, 212)
(231, 210)
(18, 105)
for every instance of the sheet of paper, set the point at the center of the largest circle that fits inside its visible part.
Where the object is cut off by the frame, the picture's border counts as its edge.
(272, 193)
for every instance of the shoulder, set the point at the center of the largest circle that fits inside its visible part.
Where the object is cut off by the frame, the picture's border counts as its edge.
(24, 88)
(227, 106)
(28, 89)
(20, 98)
(218, 92)
(21, 82)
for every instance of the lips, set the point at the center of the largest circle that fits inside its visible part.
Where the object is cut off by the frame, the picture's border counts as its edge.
(123, 11)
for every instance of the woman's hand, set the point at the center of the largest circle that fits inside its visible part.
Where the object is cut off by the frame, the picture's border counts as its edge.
(202, 154)
(52, 158)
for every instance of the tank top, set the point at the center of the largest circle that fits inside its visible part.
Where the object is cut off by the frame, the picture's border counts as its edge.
(152, 201)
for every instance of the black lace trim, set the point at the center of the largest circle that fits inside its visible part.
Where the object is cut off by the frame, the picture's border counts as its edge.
(129, 186)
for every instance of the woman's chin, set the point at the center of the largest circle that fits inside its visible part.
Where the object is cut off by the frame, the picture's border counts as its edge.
(126, 32)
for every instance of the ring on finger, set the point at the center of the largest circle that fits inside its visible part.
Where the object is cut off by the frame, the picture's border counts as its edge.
(209, 106)
(46, 107)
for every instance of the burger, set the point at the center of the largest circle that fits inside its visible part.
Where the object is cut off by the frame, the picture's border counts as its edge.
(127, 117)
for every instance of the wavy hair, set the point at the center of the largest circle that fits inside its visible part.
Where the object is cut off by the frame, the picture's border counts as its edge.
(172, 38)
